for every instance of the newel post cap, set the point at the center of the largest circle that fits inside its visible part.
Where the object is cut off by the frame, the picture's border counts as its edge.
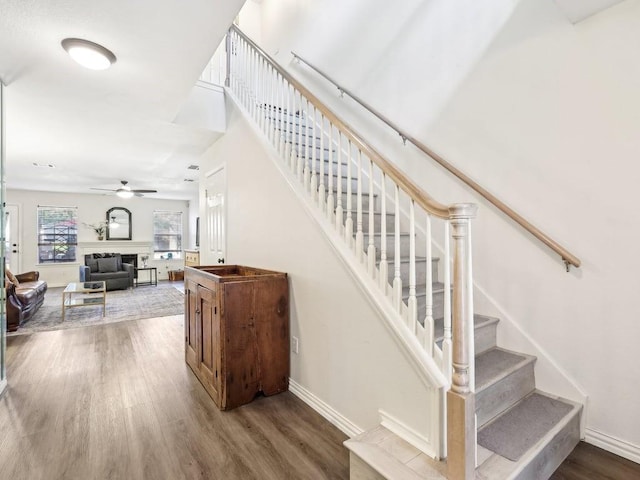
(463, 210)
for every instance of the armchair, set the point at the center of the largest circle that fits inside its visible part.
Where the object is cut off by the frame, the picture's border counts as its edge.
(108, 268)
(24, 296)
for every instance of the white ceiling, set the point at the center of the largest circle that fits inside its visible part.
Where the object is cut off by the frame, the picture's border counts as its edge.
(578, 10)
(98, 127)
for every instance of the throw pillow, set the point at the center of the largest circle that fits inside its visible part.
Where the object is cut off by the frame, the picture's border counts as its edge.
(107, 265)
(92, 263)
(12, 278)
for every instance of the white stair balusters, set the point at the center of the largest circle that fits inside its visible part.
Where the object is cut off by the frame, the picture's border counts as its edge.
(359, 234)
(371, 248)
(339, 208)
(397, 279)
(313, 185)
(348, 224)
(383, 268)
(321, 156)
(412, 303)
(330, 195)
(428, 317)
(307, 144)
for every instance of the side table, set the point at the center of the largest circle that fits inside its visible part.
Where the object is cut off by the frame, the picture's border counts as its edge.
(153, 276)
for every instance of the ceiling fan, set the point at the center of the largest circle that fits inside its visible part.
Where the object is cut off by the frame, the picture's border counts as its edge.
(125, 191)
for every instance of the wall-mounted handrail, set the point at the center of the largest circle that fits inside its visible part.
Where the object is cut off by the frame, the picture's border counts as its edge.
(567, 257)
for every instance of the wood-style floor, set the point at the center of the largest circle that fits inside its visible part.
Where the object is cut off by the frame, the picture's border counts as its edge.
(587, 462)
(118, 402)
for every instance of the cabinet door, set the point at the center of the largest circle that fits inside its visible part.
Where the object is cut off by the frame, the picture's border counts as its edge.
(242, 360)
(209, 345)
(190, 323)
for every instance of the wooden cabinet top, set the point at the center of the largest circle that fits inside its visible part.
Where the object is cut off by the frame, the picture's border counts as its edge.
(231, 273)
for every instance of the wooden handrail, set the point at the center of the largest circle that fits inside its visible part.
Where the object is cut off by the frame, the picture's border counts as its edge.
(567, 257)
(414, 191)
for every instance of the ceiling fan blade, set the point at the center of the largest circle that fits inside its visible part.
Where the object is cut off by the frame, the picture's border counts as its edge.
(144, 191)
(103, 189)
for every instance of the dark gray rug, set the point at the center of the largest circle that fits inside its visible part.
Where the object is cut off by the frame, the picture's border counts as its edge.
(132, 304)
(515, 432)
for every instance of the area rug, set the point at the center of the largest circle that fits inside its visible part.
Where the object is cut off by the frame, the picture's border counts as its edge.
(131, 304)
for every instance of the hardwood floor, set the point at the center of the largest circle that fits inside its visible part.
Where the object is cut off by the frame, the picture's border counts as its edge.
(118, 402)
(587, 462)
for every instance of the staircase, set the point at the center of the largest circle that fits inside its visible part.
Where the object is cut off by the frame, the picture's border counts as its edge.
(521, 432)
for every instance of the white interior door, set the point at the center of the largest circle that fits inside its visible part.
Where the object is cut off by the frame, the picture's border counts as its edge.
(12, 238)
(215, 193)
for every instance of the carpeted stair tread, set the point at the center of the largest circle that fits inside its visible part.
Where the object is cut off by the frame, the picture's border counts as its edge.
(523, 426)
(497, 363)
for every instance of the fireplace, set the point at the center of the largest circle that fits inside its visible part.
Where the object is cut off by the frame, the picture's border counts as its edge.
(133, 259)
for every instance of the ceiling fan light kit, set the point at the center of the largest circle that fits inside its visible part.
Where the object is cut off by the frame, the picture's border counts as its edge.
(89, 54)
(125, 191)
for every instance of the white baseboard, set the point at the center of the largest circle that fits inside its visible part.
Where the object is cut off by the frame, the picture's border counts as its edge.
(408, 434)
(345, 425)
(613, 445)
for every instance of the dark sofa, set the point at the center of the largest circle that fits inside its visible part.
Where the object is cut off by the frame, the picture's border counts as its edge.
(108, 268)
(25, 294)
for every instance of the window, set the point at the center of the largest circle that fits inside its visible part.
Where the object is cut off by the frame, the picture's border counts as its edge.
(57, 234)
(167, 234)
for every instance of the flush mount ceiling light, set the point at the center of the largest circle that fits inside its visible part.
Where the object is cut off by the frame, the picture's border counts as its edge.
(88, 54)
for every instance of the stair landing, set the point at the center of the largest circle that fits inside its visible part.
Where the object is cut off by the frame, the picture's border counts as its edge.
(380, 454)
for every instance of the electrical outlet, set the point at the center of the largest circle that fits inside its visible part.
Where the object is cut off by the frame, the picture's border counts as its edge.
(294, 344)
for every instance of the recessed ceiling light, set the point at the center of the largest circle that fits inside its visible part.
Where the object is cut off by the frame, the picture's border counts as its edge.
(88, 54)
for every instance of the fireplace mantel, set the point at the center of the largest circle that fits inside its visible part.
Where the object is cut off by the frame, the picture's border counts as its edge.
(115, 246)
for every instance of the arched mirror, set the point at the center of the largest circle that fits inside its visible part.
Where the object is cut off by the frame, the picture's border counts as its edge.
(118, 224)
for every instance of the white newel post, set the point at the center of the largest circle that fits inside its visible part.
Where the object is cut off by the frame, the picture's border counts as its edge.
(461, 427)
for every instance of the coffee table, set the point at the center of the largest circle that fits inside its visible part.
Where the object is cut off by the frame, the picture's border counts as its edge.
(84, 294)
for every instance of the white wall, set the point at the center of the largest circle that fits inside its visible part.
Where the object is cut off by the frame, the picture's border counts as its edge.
(347, 359)
(91, 209)
(542, 113)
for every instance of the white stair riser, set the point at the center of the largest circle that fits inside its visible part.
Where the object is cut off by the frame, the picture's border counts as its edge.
(390, 247)
(554, 453)
(484, 339)
(421, 268)
(282, 120)
(377, 220)
(301, 152)
(354, 199)
(298, 138)
(344, 181)
(503, 394)
(437, 306)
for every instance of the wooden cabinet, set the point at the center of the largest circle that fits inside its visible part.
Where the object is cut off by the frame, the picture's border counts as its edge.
(191, 258)
(237, 331)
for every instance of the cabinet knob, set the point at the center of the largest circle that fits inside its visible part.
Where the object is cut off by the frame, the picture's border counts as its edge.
(197, 312)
